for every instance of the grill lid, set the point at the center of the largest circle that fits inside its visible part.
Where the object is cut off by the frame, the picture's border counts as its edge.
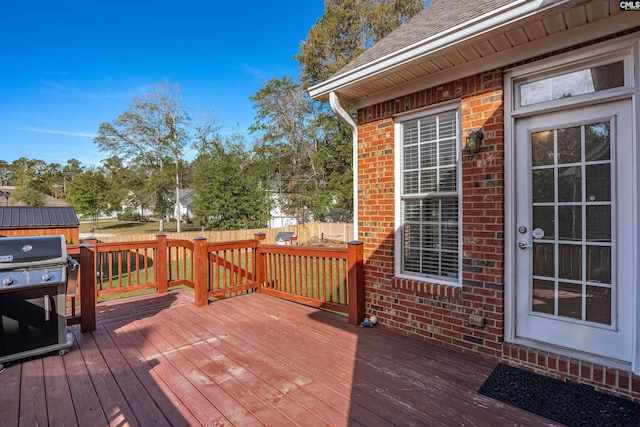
(32, 251)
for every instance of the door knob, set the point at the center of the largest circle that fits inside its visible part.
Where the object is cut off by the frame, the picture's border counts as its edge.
(524, 245)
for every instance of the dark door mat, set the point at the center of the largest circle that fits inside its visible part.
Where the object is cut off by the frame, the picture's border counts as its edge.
(565, 402)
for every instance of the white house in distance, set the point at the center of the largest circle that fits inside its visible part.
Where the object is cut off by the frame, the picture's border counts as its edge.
(278, 218)
(184, 205)
(496, 184)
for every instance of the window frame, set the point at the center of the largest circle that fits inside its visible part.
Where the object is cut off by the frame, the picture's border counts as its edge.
(399, 123)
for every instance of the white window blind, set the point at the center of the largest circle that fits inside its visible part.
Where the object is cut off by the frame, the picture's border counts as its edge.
(429, 197)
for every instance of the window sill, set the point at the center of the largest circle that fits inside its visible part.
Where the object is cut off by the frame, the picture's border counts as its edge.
(429, 288)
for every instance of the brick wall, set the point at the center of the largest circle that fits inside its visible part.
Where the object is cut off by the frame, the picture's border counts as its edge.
(422, 309)
(439, 312)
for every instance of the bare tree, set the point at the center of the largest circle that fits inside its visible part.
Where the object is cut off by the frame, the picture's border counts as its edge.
(152, 130)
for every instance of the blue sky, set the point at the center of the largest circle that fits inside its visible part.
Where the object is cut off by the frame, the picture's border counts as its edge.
(68, 66)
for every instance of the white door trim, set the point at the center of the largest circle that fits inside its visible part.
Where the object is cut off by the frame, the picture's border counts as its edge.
(629, 50)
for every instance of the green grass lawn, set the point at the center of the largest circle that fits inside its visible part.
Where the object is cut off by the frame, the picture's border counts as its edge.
(133, 227)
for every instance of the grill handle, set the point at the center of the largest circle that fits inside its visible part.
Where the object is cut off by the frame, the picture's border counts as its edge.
(47, 308)
(72, 276)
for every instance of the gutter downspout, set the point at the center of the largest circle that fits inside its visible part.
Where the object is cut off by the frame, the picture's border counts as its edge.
(348, 120)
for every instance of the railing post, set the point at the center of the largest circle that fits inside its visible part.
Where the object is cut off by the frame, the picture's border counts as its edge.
(258, 262)
(356, 282)
(201, 274)
(161, 263)
(88, 291)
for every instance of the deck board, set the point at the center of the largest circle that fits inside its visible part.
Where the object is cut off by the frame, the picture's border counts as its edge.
(83, 393)
(10, 397)
(58, 393)
(175, 412)
(33, 405)
(249, 360)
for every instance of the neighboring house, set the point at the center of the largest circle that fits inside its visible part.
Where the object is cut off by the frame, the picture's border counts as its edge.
(278, 217)
(184, 205)
(40, 221)
(528, 250)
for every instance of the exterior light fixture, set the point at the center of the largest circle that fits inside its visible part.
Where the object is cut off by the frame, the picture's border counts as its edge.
(474, 142)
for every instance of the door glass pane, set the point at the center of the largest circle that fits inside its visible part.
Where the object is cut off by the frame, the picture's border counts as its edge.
(542, 148)
(599, 304)
(543, 220)
(599, 223)
(543, 185)
(570, 300)
(569, 222)
(598, 183)
(543, 300)
(596, 141)
(569, 145)
(572, 230)
(569, 184)
(570, 262)
(599, 264)
(543, 260)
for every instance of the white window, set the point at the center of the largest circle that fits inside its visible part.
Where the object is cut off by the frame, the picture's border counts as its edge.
(428, 211)
(590, 79)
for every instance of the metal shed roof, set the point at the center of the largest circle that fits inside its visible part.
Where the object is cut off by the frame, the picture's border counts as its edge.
(37, 216)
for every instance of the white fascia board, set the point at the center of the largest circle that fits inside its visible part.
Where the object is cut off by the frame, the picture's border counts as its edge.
(482, 24)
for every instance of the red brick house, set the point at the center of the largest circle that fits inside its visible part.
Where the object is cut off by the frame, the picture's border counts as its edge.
(527, 250)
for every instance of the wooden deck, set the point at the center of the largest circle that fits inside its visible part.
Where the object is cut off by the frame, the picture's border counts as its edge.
(249, 360)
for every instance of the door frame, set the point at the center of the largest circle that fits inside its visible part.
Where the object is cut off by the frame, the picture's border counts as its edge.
(626, 48)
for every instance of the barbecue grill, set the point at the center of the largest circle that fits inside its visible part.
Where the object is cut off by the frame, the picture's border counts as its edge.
(33, 289)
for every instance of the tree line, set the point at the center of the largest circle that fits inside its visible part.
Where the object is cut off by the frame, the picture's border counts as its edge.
(300, 155)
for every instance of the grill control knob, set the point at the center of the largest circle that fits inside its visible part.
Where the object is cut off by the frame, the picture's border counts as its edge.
(46, 277)
(7, 281)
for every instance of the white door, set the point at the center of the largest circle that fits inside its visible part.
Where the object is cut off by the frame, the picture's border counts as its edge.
(575, 229)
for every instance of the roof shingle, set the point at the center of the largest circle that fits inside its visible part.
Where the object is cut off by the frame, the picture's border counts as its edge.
(440, 16)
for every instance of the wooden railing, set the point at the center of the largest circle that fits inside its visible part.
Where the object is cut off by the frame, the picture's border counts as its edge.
(229, 269)
(329, 278)
(179, 262)
(314, 276)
